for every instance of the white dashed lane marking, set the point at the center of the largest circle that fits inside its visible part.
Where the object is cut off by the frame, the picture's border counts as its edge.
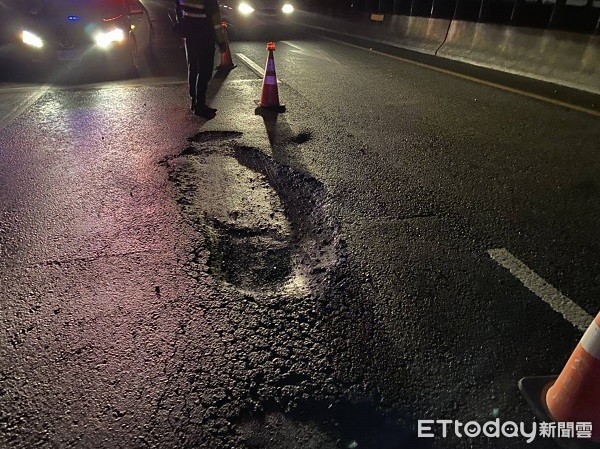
(546, 292)
(250, 63)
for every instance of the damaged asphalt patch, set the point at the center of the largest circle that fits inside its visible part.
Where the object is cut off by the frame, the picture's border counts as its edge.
(284, 352)
(265, 224)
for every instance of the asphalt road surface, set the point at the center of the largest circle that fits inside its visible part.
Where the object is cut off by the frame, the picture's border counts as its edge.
(402, 244)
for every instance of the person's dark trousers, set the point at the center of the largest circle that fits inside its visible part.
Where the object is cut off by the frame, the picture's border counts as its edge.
(200, 53)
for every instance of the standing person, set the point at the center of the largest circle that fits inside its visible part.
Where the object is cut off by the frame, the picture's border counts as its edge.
(201, 26)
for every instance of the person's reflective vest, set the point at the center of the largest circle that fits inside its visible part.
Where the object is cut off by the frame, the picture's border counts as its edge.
(197, 9)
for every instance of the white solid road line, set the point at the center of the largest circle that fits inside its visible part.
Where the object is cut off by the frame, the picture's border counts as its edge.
(469, 78)
(546, 292)
(250, 63)
(22, 106)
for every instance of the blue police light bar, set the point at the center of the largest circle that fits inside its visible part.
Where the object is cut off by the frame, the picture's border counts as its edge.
(73, 18)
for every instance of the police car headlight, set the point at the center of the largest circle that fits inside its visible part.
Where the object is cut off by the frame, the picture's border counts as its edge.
(103, 40)
(28, 38)
(246, 9)
(287, 9)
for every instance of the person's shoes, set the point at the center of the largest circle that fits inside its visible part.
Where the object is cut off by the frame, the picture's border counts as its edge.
(205, 112)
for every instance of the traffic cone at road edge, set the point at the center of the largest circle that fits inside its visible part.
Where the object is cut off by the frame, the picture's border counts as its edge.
(573, 396)
(269, 97)
(226, 61)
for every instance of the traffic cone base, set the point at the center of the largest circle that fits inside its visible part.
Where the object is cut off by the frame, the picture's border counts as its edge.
(223, 67)
(260, 110)
(535, 389)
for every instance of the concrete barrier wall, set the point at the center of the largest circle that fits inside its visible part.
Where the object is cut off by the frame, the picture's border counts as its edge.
(413, 33)
(568, 59)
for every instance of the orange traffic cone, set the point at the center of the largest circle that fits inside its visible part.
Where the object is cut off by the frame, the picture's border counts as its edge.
(226, 61)
(269, 98)
(574, 396)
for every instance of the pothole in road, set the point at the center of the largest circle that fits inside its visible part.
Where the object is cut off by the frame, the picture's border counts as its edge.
(265, 224)
(285, 320)
(247, 258)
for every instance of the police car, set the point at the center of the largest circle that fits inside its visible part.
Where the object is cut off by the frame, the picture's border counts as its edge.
(113, 34)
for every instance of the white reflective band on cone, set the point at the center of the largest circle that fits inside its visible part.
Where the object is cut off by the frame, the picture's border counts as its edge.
(591, 341)
(270, 80)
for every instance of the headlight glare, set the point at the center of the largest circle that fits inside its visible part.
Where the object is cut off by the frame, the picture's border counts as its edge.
(246, 9)
(287, 9)
(103, 40)
(28, 38)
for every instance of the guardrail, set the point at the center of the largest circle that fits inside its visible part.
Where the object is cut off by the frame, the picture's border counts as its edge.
(561, 57)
